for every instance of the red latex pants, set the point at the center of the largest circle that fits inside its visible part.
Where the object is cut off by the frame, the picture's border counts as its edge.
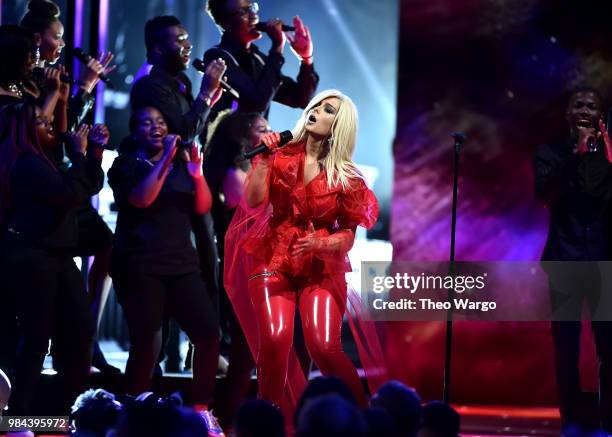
(275, 298)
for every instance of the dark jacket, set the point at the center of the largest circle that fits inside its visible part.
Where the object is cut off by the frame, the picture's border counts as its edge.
(172, 97)
(577, 191)
(44, 200)
(259, 80)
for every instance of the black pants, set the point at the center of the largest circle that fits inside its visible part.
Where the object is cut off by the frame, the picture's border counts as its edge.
(146, 299)
(566, 337)
(571, 286)
(46, 296)
(204, 236)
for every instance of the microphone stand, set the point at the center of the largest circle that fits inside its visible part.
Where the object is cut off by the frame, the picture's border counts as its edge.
(448, 348)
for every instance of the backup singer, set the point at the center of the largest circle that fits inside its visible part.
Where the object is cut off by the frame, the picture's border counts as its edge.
(576, 186)
(95, 238)
(38, 234)
(229, 136)
(43, 21)
(299, 247)
(155, 267)
(168, 89)
(255, 75)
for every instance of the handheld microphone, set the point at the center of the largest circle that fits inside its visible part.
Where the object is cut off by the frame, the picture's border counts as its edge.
(39, 73)
(199, 65)
(184, 144)
(65, 137)
(262, 25)
(285, 137)
(591, 145)
(84, 57)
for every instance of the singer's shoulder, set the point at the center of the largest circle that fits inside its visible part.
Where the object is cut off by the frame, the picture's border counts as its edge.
(156, 75)
(219, 51)
(554, 149)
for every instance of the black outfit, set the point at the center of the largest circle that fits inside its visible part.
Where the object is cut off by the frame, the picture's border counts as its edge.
(185, 117)
(172, 96)
(94, 234)
(44, 286)
(155, 269)
(577, 190)
(259, 80)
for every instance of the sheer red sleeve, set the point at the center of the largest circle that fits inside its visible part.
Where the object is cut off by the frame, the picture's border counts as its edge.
(358, 207)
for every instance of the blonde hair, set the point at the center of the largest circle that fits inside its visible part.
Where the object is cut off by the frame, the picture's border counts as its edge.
(338, 162)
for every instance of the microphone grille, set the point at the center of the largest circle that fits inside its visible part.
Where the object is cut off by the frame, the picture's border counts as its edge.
(285, 137)
(80, 54)
(198, 64)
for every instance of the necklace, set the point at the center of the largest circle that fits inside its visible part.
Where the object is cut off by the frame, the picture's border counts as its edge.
(15, 89)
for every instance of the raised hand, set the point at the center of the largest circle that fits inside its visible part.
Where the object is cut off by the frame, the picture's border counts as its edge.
(64, 88)
(301, 43)
(99, 135)
(194, 164)
(95, 67)
(170, 146)
(271, 140)
(210, 82)
(584, 134)
(274, 29)
(52, 79)
(603, 131)
(78, 139)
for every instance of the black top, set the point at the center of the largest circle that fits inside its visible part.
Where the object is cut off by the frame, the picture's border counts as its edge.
(172, 97)
(258, 78)
(43, 200)
(222, 217)
(6, 99)
(577, 190)
(156, 239)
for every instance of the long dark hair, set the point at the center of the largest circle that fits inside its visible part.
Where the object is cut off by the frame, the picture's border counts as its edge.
(17, 48)
(228, 137)
(41, 14)
(17, 137)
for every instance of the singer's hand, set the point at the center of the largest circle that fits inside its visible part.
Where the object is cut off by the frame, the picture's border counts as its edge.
(584, 134)
(194, 164)
(210, 82)
(301, 43)
(78, 139)
(272, 141)
(94, 68)
(170, 146)
(99, 135)
(307, 244)
(274, 29)
(64, 88)
(52, 79)
(607, 141)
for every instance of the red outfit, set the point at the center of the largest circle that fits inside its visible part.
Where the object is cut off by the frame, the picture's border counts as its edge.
(278, 281)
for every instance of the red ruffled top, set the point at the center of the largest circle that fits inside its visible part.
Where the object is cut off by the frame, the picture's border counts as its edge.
(296, 205)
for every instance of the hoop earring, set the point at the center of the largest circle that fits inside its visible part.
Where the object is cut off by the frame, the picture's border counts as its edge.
(37, 55)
